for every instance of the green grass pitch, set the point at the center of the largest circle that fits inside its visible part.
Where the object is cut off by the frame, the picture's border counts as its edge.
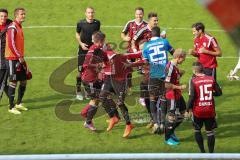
(39, 130)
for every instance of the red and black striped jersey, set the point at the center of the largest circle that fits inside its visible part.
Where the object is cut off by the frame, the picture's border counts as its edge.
(131, 28)
(143, 35)
(173, 76)
(92, 64)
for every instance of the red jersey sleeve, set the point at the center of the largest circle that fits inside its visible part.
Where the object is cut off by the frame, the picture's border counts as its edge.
(11, 33)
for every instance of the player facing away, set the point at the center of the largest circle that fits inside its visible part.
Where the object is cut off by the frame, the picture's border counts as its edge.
(16, 65)
(4, 23)
(85, 28)
(201, 106)
(206, 49)
(155, 52)
(176, 105)
(92, 84)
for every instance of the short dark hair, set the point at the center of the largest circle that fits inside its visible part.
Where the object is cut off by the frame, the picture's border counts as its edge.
(4, 10)
(152, 14)
(98, 36)
(199, 66)
(139, 8)
(17, 10)
(199, 26)
(156, 31)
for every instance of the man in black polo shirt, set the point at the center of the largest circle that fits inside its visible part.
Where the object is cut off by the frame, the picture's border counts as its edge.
(85, 29)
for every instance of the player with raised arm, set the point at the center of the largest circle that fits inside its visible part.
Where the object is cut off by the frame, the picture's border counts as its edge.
(116, 70)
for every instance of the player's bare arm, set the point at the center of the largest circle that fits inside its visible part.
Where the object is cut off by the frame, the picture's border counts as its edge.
(83, 45)
(125, 37)
(133, 45)
(192, 52)
(172, 86)
(217, 51)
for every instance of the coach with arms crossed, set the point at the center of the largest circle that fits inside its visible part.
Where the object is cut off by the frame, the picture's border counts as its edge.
(84, 31)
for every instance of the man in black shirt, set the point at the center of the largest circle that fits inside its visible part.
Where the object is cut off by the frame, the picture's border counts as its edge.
(4, 22)
(85, 29)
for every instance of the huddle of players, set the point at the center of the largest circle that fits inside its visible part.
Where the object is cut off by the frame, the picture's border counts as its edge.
(104, 73)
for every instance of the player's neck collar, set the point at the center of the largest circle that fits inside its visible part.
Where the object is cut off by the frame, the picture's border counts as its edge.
(89, 21)
(138, 23)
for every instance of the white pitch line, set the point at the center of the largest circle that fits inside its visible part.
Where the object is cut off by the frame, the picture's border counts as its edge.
(116, 26)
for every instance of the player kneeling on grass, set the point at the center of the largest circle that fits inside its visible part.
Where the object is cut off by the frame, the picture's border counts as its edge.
(92, 66)
(201, 105)
(175, 103)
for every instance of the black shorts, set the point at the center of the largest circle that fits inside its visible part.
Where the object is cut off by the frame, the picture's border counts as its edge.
(81, 58)
(93, 89)
(114, 86)
(210, 72)
(179, 104)
(16, 71)
(210, 123)
(156, 86)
